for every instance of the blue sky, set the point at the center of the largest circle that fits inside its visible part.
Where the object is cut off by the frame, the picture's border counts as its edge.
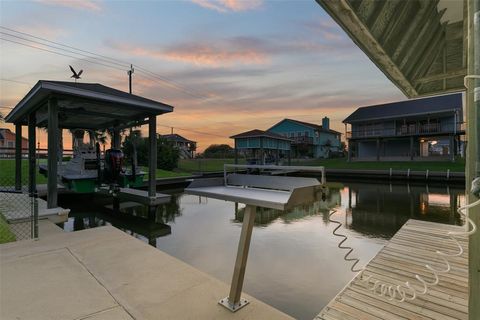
(237, 65)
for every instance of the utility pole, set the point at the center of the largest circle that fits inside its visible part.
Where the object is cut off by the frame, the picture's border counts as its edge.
(171, 130)
(130, 72)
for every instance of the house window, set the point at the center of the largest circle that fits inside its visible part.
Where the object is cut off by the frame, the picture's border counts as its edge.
(10, 144)
(299, 134)
(292, 134)
(317, 134)
(306, 133)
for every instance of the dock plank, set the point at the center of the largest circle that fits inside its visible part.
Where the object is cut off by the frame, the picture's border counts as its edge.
(406, 255)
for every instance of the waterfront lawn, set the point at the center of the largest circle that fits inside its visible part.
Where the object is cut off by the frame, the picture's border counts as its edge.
(205, 165)
(5, 234)
(164, 173)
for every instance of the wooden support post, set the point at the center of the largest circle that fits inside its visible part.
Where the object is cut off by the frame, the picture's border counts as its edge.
(52, 163)
(18, 156)
(349, 156)
(473, 152)
(32, 182)
(411, 147)
(233, 301)
(116, 139)
(289, 152)
(378, 149)
(236, 152)
(152, 160)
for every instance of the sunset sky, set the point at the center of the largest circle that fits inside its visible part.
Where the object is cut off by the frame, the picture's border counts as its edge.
(231, 65)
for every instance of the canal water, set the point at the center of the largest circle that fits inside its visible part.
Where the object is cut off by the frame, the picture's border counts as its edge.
(294, 263)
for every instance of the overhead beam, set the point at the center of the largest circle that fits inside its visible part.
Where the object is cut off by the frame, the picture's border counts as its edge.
(447, 75)
(95, 114)
(362, 37)
(381, 17)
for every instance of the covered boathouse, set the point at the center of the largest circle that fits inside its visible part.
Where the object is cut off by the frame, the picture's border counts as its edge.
(58, 105)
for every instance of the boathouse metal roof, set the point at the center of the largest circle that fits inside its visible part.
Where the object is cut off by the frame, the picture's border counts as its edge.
(85, 105)
(256, 133)
(432, 105)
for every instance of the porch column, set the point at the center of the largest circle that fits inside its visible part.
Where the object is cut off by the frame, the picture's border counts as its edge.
(289, 153)
(152, 160)
(116, 139)
(18, 156)
(473, 152)
(452, 148)
(32, 181)
(378, 149)
(262, 152)
(411, 147)
(349, 155)
(236, 151)
(52, 160)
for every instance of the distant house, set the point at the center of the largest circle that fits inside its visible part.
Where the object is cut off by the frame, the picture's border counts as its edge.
(309, 139)
(428, 128)
(7, 142)
(186, 147)
(262, 147)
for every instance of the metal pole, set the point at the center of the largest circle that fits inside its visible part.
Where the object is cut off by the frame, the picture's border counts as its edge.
(473, 151)
(152, 161)
(18, 156)
(234, 301)
(52, 160)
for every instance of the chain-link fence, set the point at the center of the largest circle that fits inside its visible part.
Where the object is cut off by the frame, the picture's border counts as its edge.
(18, 220)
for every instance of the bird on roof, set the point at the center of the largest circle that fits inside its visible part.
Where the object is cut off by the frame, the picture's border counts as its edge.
(75, 74)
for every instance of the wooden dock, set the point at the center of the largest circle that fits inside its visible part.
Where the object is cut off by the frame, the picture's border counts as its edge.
(405, 255)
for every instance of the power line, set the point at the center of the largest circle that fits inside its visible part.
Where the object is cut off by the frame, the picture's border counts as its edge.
(63, 45)
(194, 131)
(62, 54)
(104, 58)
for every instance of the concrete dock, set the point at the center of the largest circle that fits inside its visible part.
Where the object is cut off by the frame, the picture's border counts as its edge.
(103, 273)
(404, 256)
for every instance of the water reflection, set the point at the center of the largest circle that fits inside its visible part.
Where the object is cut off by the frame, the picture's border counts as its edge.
(380, 210)
(131, 217)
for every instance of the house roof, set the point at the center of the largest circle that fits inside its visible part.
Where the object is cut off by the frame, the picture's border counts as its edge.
(256, 133)
(7, 134)
(424, 106)
(308, 124)
(85, 105)
(175, 137)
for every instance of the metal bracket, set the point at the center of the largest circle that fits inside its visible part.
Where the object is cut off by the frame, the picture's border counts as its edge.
(233, 306)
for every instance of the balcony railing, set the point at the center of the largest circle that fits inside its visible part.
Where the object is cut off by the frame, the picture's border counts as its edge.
(302, 140)
(406, 130)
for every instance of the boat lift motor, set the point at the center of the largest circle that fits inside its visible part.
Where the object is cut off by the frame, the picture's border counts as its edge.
(113, 165)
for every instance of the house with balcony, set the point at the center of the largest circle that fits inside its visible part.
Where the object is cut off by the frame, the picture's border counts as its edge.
(418, 129)
(185, 146)
(309, 139)
(7, 143)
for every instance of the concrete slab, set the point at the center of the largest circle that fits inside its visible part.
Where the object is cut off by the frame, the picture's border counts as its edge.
(145, 282)
(116, 313)
(50, 285)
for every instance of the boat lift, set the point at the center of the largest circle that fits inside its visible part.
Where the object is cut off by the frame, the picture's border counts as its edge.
(268, 191)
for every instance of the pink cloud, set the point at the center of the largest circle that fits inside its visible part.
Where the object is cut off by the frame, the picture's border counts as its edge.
(229, 5)
(202, 54)
(75, 4)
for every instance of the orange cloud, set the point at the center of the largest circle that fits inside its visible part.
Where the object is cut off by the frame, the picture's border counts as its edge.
(229, 5)
(75, 4)
(203, 54)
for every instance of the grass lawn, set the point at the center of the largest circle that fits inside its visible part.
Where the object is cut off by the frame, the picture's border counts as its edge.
(5, 234)
(7, 172)
(205, 165)
(164, 173)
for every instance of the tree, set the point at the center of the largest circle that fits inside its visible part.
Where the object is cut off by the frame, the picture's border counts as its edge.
(219, 151)
(167, 154)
